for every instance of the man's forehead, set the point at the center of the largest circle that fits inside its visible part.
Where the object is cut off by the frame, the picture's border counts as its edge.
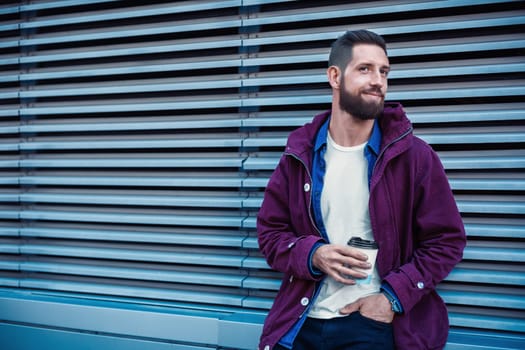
(371, 53)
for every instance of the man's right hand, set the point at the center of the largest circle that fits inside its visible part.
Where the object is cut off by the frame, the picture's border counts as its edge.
(337, 261)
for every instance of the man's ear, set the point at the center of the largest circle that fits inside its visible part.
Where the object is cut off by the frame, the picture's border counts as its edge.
(334, 76)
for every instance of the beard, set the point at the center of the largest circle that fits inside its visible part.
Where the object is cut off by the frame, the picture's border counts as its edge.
(357, 107)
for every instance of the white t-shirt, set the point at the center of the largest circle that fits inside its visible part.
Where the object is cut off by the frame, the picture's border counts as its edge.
(344, 207)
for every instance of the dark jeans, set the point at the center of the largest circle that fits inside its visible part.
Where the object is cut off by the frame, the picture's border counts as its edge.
(353, 332)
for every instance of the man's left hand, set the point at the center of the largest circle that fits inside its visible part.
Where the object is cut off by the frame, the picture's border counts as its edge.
(376, 307)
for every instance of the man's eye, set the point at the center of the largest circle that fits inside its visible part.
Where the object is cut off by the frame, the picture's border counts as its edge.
(364, 69)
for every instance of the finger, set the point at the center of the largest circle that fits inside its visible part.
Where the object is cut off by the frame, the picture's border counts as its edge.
(349, 272)
(350, 308)
(340, 274)
(360, 264)
(354, 253)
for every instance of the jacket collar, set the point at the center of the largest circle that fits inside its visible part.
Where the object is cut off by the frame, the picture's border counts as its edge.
(390, 126)
(374, 143)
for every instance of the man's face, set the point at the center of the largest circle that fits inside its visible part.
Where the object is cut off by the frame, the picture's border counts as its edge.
(364, 82)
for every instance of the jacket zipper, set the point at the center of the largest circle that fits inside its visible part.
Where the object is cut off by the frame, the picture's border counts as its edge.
(408, 131)
(314, 294)
(311, 188)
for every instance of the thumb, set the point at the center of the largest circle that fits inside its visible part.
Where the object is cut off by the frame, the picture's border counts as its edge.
(350, 308)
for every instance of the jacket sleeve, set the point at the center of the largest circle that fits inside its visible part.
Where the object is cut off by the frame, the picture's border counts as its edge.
(284, 238)
(439, 236)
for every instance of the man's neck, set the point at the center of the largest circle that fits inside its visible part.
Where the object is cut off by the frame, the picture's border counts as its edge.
(348, 131)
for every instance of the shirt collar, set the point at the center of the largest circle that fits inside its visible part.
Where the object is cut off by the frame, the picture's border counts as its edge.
(374, 143)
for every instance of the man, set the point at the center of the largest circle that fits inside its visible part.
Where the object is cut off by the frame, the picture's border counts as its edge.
(358, 171)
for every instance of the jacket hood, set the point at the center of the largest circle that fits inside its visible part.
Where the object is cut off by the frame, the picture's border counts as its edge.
(393, 123)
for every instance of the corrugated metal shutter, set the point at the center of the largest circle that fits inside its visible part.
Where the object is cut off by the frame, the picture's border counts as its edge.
(138, 136)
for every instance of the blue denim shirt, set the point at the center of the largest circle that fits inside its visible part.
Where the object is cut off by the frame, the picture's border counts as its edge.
(319, 167)
(372, 150)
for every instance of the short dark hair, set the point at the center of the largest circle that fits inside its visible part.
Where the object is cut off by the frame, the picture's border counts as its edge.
(341, 52)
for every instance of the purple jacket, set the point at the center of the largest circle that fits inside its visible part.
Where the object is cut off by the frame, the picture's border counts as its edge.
(414, 219)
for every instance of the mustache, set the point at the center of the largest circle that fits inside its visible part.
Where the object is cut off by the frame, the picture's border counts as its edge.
(374, 91)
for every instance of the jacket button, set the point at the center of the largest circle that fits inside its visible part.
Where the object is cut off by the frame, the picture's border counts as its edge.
(420, 285)
(304, 301)
(306, 187)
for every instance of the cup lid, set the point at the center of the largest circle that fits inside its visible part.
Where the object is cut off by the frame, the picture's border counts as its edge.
(358, 242)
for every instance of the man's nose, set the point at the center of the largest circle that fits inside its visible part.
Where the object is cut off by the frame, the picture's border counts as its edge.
(377, 79)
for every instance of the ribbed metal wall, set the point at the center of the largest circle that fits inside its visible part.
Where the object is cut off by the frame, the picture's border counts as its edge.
(138, 136)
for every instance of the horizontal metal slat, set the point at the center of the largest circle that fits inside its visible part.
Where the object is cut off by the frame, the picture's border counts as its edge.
(9, 27)
(131, 125)
(10, 10)
(131, 13)
(261, 283)
(8, 77)
(129, 144)
(119, 181)
(471, 69)
(471, 275)
(6, 231)
(253, 262)
(111, 162)
(9, 61)
(331, 12)
(483, 162)
(490, 206)
(119, 87)
(7, 95)
(9, 129)
(200, 278)
(9, 249)
(460, 339)
(507, 301)
(9, 282)
(172, 257)
(511, 324)
(418, 26)
(497, 229)
(494, 254)
(176, 200)
(121, 69)
(129, 51)
(127, 218)
(487, 184)
(132, 107)
(253, 202)
(504, 44)
(9, 214)
(122, 89)
(9, 265)
(189, 237)
(8, 197)
(9, 147)
(9, 112)
(472, 113)
(453, 92)
(117, 33)
(134, 291)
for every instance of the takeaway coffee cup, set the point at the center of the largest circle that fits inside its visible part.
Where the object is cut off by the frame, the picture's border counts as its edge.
(370, 249)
